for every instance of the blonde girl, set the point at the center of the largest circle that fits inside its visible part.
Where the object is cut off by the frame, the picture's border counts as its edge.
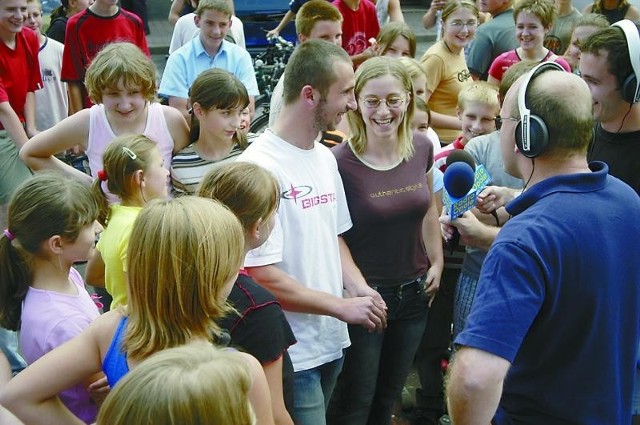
(51, 226)
(258, 326)
(133, 172)
(446, 68)
(217, 100)
(184, 257)
(397, 40)
(121, 80)
(385, 169)
(190, 385)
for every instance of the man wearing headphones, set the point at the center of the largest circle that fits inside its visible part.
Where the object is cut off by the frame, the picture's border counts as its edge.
(552, 334)
(610, 65)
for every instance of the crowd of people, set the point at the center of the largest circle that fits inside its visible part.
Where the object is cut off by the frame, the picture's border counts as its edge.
(190, 272)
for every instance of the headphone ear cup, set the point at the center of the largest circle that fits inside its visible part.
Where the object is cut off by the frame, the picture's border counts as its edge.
(538, 137)
(628, 89)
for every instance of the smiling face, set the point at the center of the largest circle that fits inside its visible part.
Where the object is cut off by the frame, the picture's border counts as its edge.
(420, 122)
(530, 32)
(339, 99)
(608, 106)
(12, 16)
(459, 28)
(123, 104)
(383, 121)
(214, 26)
(477, 119)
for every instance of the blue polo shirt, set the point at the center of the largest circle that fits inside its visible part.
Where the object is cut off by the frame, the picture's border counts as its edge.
(186, 63)
(559, 298)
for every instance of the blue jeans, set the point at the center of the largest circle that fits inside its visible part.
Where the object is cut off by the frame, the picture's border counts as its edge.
(465, 294)
(312, 390)
(376, 365)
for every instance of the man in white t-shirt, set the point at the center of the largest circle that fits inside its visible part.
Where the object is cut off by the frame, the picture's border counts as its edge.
(305, 262)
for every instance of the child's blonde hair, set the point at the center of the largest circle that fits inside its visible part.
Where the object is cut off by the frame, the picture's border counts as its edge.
(250, 191)
(421, 105)
(46, 205)
(216, 88)
(121, 61)
(193, 384)
(479, 92)
(182, 255)
(376, 67)
(122, 158)
(390, 32)
(222, 6)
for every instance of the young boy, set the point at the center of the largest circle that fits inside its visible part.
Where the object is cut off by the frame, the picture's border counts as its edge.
(89, 31)
(19, 79)
(316, 19)
(478, 107)
(208, 50)
(52, 102)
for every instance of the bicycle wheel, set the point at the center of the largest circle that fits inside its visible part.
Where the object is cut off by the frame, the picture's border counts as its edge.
(259, 124)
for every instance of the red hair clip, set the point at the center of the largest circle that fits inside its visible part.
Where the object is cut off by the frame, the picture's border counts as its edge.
(102, 176)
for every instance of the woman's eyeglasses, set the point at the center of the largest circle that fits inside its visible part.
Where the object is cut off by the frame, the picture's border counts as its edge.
(458, 25)
(374, 102)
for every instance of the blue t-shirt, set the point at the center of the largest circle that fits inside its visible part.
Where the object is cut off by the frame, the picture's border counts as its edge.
(559, 298)
(186, 63)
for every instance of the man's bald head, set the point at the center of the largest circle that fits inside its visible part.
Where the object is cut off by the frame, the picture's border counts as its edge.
(563, 101)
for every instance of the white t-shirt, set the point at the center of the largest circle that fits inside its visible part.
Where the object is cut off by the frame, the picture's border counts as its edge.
(313, 212)
(52, 103)
(186, 30)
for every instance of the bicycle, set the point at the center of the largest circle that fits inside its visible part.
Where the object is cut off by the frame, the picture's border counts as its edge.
(269, 67)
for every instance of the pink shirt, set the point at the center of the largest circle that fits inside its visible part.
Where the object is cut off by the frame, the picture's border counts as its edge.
(50, 319)
(505, 60)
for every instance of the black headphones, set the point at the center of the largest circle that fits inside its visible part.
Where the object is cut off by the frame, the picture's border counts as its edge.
(532, 134)
(630, 89)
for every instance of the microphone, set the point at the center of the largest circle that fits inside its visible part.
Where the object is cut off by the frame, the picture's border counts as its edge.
(462, 183)
(463, 180)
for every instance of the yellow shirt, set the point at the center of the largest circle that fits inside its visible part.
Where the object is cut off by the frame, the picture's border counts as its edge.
(447, 74)
(113, 244)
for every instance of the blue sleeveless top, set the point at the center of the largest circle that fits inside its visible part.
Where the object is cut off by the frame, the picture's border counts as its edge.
(115, 364)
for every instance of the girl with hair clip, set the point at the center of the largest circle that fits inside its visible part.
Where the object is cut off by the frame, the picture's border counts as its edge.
(446, 68)
(133, 171)
(184, 257)
(397, 40)
(386, 170)
(258, 325)
(41, 294)
(191, 385)
(217, 101)
(61, 14)
(121, 81)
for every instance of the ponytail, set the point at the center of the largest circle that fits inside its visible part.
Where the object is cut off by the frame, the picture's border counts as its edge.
(15, 278)
(103, 203)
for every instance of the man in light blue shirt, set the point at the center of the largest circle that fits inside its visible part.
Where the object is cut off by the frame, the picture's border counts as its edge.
(208, 50)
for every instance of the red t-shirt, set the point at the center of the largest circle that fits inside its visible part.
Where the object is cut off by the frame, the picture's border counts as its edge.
(20, 70)
(87, 33)
(358, 26)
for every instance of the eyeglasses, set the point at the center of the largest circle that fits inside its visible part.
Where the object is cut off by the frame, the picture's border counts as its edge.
(498, 121)
(458, 25)
(391, 102)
